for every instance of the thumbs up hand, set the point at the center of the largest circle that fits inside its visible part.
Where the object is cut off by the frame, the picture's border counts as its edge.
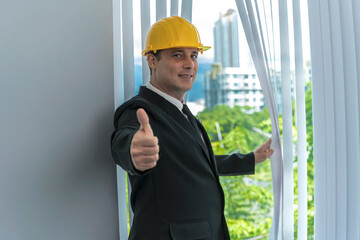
(144, 148)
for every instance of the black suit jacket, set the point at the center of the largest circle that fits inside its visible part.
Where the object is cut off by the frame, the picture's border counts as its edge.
(181, 198)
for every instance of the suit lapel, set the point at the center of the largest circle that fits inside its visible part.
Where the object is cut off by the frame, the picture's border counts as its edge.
(186, 125)
(208, 144)
(179, 118)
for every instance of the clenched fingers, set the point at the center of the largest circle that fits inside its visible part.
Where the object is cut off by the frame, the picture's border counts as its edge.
(144, 151)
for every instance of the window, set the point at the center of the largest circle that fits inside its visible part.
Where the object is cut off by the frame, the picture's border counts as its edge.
(236, 122)
(258, 216)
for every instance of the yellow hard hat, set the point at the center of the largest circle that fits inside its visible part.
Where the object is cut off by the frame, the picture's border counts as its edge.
(172, 32)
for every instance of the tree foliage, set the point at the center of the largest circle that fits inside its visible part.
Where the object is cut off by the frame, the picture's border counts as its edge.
(249, 199)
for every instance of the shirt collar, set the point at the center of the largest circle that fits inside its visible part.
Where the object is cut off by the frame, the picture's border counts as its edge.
(169, 98)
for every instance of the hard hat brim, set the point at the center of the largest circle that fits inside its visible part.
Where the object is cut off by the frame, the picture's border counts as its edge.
(201, 49)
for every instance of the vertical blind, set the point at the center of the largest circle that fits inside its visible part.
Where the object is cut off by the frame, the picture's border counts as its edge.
(288, 200)
(263, 54)
(118, 99)
(145, 26)
(301, 122)
(335, 51)
(258, 53)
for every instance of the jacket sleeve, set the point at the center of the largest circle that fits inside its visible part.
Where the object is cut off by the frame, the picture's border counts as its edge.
(126, 125)
(235, 164)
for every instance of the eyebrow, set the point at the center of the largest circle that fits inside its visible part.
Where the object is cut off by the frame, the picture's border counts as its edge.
(182, 51)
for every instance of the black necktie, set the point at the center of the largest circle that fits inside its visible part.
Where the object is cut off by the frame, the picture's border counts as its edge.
(193, 122)
(191, 117)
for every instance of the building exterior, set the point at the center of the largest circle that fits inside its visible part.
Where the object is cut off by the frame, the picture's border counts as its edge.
(277, 88)
(232, 79)
(233, 86)
(226, 39)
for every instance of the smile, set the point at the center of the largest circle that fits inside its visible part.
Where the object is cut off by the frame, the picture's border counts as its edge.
(185, 75)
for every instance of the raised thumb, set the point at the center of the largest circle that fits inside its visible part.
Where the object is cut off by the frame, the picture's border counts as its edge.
(144, 122)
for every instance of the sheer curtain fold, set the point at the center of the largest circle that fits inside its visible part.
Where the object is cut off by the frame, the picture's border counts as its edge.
(145, 26)
(161, 9)
(288, 203)
(124, 78)
(252, 35)
(186, 9)
(355, 190)
(129, 64)
(318, 102)
(301, 122)
(128, 49)
(118, 99)
(282, 166)
(338, 95)
(334, 35)
(351, 78)
(174, 8)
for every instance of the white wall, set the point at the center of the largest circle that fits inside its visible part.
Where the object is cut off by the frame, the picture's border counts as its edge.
(57, 177)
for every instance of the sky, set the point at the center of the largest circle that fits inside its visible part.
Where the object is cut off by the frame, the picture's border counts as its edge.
(206, 13)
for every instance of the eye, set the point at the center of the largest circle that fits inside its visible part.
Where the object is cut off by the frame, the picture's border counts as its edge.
(176, 55)
(195, 56)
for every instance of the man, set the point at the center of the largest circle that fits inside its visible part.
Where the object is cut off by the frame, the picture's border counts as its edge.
(174, 175)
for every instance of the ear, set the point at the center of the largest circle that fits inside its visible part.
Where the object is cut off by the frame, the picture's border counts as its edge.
(151, 61)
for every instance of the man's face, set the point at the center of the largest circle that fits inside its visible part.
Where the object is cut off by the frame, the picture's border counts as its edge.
(174, 73)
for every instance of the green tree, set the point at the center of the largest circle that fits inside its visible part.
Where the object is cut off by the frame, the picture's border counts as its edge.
(248, 198)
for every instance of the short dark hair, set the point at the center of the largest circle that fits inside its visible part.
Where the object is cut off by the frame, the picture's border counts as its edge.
(156, 55)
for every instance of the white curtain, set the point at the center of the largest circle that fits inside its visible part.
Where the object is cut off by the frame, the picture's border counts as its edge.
(259, 30)
(335, 51)
(258, 54)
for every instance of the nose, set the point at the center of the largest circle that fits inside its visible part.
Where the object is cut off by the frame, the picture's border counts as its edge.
(188, 62)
